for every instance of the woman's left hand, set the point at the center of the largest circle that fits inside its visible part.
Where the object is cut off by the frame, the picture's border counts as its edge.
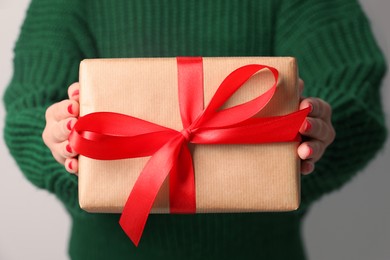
(317, 131)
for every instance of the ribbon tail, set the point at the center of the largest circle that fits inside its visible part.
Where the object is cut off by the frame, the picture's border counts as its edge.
(182, 184)
(140, 201)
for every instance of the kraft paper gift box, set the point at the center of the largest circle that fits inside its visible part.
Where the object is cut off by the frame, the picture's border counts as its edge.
(228, 178)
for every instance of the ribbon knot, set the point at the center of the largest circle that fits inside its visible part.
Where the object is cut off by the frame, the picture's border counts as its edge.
(234, 125)
(187, 134)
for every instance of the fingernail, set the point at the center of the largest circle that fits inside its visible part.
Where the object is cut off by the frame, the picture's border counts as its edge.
(307, 126)
(311, 107)
(70, 110)
(70, 165)
(69, 125)
(309, 151)
(68, 148)
(75, 93)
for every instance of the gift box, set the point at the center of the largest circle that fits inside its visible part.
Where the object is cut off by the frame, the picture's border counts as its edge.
(232, 177)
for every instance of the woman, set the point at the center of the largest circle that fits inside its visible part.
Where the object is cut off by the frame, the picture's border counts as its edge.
(338, 59)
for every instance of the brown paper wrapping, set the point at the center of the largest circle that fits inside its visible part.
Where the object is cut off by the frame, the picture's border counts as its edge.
(228, 178)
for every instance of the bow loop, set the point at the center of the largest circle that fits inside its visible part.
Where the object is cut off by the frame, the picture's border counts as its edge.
(213, 117)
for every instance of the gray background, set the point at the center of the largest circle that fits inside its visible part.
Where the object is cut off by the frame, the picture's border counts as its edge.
(352, 223)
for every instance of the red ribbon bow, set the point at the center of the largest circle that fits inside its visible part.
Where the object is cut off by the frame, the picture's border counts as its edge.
(108, 136)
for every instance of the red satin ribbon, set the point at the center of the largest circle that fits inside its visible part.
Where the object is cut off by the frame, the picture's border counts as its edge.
(109, 136)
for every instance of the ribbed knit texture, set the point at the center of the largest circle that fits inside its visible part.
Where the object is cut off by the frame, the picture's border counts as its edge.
(338, 59)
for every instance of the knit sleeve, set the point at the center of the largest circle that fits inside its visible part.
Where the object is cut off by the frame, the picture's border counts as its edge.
(53, 39)
(341, 63)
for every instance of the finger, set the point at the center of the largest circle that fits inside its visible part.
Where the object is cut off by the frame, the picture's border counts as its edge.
(61, 129)
(72, 165)
(307, 167)
(74, 91)
(319, 108)
(62, 110)
(317, 128)
(68, 151)
(57, 156)
(63, 151)
(311, 150)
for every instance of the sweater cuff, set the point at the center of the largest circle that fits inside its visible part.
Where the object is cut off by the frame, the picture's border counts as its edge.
(360, 134)
(22, 133)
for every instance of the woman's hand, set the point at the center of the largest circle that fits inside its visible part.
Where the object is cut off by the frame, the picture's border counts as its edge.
(60, 119)
(317, 131)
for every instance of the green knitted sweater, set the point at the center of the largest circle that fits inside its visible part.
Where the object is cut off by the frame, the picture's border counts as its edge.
(338, 60)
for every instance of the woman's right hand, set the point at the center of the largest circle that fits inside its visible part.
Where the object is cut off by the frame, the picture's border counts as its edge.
(60, 119)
